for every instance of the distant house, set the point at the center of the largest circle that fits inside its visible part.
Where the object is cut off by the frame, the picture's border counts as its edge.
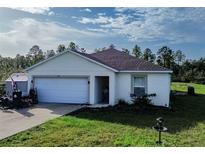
(98, 78)
(21, 81)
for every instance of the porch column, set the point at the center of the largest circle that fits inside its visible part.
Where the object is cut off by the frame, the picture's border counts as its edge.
(92, 90)
(29, 83)
(112, 89)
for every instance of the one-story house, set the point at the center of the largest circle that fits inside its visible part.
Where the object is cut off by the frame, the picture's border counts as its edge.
(98, 78)
(21, 81)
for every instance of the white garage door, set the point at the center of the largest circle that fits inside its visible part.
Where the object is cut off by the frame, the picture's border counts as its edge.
(62, 90)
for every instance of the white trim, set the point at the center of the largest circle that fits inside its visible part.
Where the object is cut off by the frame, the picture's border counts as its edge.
(134, 77)
(145, 82)
(139, 86)
(29, 68)
(130, 71)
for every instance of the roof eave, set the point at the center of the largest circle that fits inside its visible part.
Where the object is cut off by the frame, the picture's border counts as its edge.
(133, 71)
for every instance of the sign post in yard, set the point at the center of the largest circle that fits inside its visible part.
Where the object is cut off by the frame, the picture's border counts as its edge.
(160, 128)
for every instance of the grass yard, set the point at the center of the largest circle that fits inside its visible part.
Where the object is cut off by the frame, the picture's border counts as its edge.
(179, 86)
(120, 126)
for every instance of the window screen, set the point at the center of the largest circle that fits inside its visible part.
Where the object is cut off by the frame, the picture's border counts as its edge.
(139, 86)
(139, 82)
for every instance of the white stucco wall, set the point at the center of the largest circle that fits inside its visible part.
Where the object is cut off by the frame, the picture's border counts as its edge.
(123, 86)
(70, 64)
(159, 84)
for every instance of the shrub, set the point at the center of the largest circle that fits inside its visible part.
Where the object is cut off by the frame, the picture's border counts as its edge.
(172, 95)
(122, 102)
(191, 90)
(122, 105)
(2, 88)
(143, 101)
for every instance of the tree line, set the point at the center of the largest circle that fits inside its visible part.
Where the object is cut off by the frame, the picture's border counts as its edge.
(184, 70)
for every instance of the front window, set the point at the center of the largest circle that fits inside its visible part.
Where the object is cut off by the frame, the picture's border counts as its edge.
(139, 86)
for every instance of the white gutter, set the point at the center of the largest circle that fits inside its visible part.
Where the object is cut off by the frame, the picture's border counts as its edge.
(130, 71)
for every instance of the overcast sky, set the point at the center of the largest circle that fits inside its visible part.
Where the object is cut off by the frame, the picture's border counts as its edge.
(90, 28)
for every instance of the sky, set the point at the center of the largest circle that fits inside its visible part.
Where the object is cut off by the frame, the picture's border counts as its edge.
(178, 28)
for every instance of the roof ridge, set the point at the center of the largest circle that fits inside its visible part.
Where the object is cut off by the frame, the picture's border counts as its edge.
(99, 51)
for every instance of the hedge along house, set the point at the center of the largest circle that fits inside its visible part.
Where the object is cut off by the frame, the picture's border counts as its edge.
(98, 78)
(21, 81)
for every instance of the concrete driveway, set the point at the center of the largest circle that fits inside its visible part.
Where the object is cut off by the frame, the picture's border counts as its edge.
(14, 121)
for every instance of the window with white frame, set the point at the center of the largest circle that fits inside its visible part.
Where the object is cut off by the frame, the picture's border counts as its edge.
(139, 86)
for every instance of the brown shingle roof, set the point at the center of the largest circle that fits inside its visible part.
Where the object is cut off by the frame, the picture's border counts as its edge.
(122, 61)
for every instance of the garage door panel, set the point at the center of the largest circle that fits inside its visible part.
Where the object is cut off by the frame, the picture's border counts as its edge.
(62, 90)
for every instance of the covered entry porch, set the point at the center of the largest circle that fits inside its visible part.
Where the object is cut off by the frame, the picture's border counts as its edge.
(101, 89)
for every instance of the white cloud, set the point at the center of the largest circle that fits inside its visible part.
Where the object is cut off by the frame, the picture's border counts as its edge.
(86, 10)
(27, 32)
(101, 14)
(151, 24)
(51, 13)
(98, 30)
(98, 20)
(123, 9)
(35, 10)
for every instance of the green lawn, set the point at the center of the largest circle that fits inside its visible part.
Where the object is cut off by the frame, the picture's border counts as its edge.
(179, 86)
(120, 126)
